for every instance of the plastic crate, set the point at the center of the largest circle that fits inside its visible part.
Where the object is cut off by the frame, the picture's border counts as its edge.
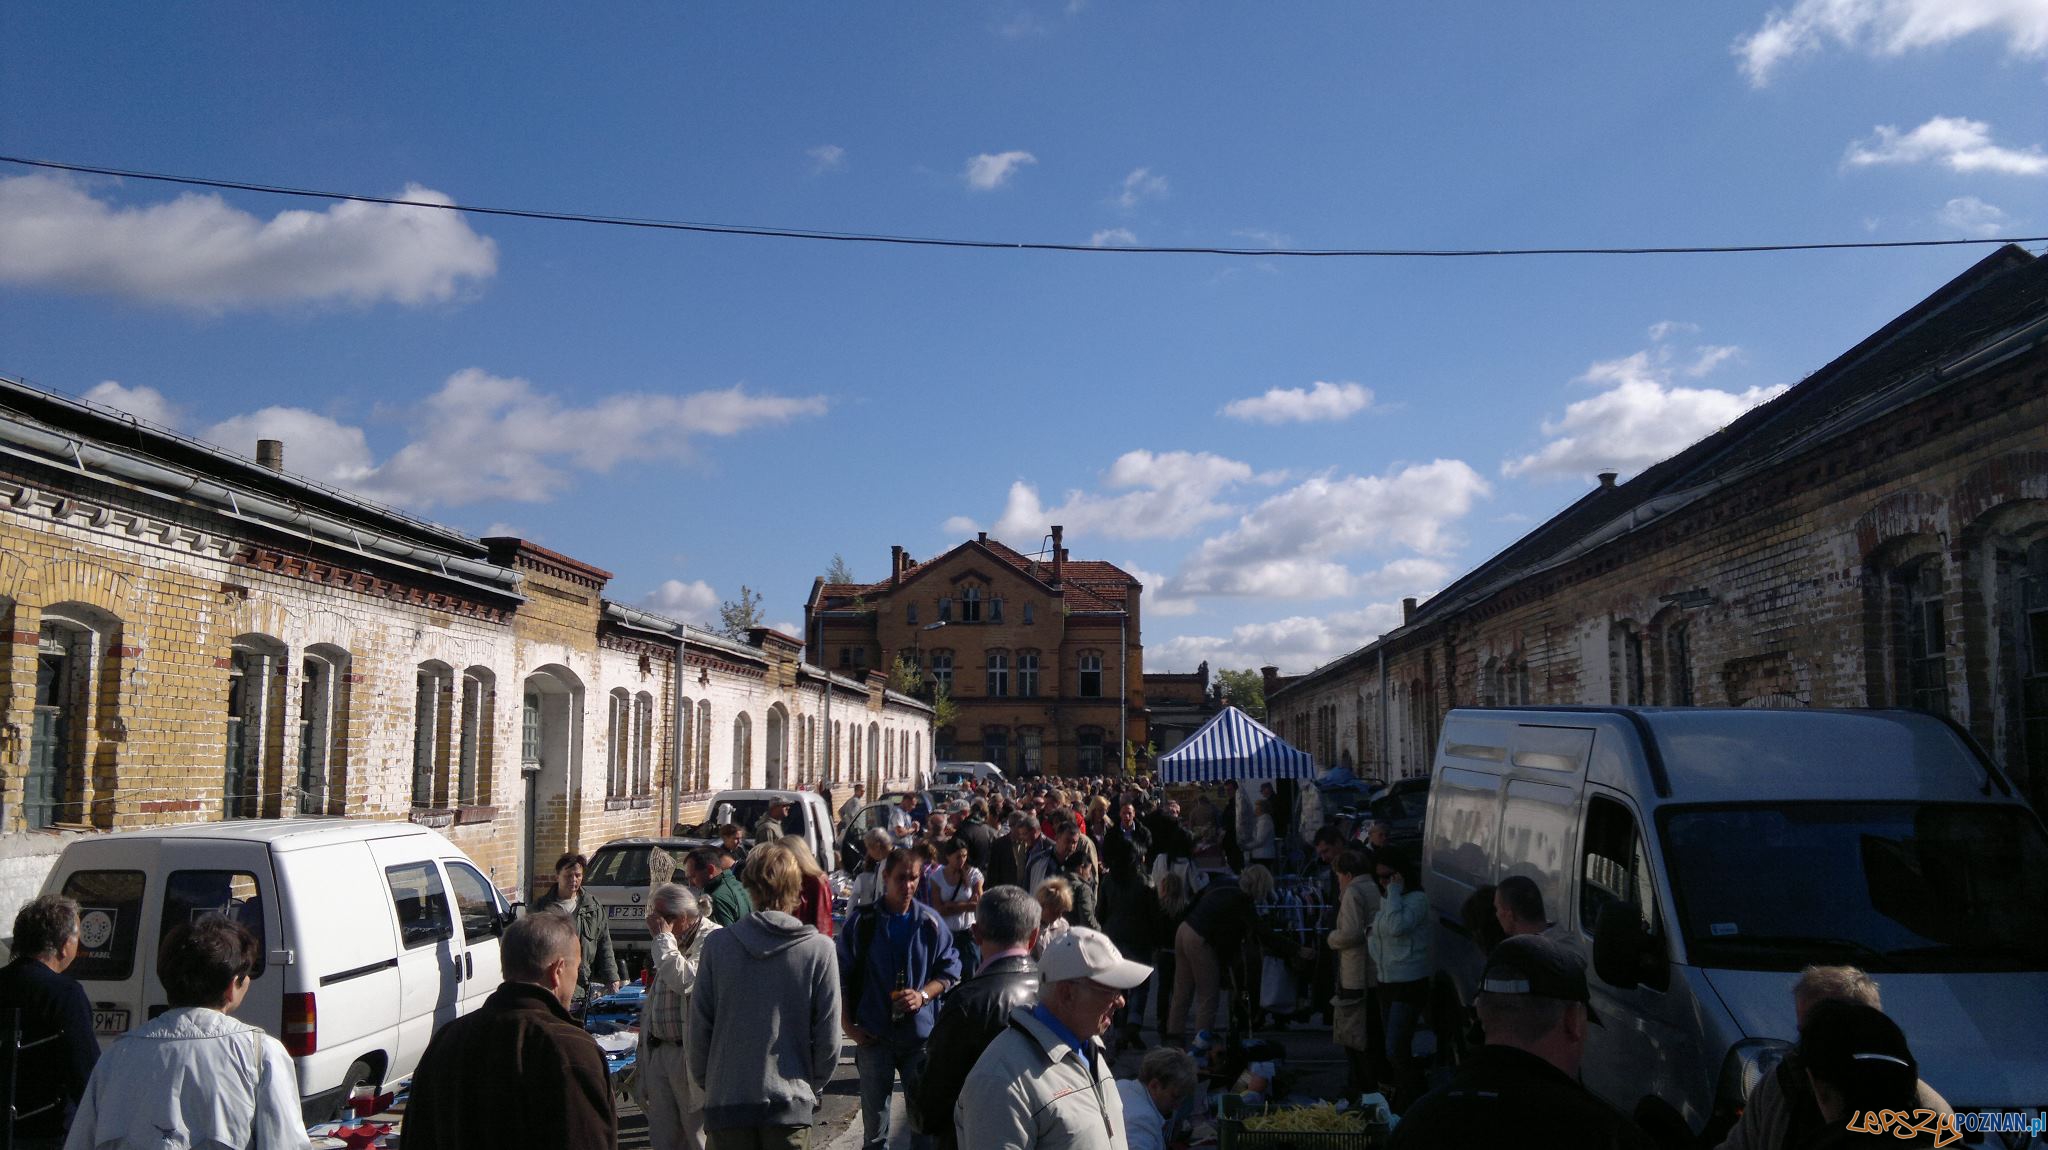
(1232, 1135)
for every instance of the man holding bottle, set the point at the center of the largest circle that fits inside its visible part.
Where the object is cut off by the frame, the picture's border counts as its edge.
(896, 957)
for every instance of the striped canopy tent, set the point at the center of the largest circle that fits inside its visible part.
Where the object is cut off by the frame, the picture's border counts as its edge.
(1233, 745)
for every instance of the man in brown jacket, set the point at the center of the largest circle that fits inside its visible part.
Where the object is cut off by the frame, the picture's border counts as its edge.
(519, 1071)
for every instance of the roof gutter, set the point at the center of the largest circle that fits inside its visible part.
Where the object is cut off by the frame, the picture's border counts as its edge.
(85, 458)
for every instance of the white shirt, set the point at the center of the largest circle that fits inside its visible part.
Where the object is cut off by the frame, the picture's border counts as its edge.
(947, 892)
(191, 1077)
(1144, 1126)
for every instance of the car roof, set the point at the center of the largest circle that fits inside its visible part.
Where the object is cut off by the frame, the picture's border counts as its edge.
(279, 834)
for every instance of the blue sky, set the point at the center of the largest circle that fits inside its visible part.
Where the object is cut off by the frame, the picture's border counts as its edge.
(1282, 447)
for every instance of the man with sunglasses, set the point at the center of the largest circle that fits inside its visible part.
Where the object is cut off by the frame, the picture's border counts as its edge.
(1045, 1083)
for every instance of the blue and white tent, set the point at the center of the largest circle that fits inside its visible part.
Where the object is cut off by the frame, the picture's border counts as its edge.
(1233, 745)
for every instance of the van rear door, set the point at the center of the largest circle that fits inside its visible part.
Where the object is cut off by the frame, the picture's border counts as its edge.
(113, 887)
(231, 878)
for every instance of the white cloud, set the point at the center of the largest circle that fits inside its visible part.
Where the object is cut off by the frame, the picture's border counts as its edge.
(1113, 238)
(314, 445)
(826, 158)
(492, 437)
(1323, 402)
(960, 525)
(1641, 418)
(1292, 545)
(1960, 144)
(1972, 217)
(200, 252)
(1709, 357)
(1163, 495)
(692, 602)
(1888, 28)
(1160, 599)
(1666, 328)
(143, 402)
(1295, 644)
(989, 171)
(1141, 185)
(787, 627)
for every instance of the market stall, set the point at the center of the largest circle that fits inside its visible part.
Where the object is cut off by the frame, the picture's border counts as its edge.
(1233, 745)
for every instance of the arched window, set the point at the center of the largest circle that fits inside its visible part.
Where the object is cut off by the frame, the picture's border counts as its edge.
(742, 751)
(1625, 662)
(643, 744)
(778, 749)
(686, 745)
(970, 604)
(1922, 636)
(1027, 674)
(433, 728)
(477, 754)
(1090, 679)
(619, 745)
(703, 780)
(853, 756)
(254, 778)
(323, 731)
(1489, 683)
(70, 651)
(998, 684)
(1672, 658)
(875, 754)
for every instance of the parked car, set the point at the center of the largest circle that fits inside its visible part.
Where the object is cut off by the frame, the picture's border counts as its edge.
(1402, 805)
(619, 878)
(851, 849)
(373, 934)
(1703, 857)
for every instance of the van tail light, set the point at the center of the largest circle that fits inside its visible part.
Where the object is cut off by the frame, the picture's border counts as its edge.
(301, 1025)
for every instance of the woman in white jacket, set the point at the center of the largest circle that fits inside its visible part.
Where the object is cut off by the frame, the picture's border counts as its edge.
(1403, 959)
(192, 1076)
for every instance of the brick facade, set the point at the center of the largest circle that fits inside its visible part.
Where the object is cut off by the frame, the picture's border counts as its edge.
(191, 637)
(1036, 652)
(1878, 536)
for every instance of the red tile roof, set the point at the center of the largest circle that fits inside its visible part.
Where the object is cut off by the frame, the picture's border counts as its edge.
(1091, 585)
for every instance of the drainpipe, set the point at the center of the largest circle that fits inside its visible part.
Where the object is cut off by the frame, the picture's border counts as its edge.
(1383, 714)
(676, 728)
(1123, 684)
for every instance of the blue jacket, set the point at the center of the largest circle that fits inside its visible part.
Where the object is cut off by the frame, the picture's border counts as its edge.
(867, 969)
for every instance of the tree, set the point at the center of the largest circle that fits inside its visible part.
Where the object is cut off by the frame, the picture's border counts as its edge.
(945, 712)
(736, 616)
(839, 572)
(1245, 689)
(905, 678)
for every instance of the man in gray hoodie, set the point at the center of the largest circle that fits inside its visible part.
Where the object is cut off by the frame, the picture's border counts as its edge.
(764, 1021)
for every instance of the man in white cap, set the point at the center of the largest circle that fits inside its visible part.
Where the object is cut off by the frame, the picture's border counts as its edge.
(1045, 1083)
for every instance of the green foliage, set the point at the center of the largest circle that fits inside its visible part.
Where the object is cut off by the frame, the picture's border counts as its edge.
(1246, 690)
(736, 616)
(945, 712)
(905, 678)
(839, 572)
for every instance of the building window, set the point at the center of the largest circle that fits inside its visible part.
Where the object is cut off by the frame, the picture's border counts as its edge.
(1088, 751)
(995, 609)
(1923, 637)
(323, 730)
(860, 658)
(778, 746)
(995, 746)
(1674, 659)
(998, 674)
(742, 751)
(254, 776)
(942, 670)
(66, 662)
(874, 749)
(703, 780)
(910, 614)
(1625, 647)
(945, 609)
(1515, 683)
(618, 743)
(643, 744)
(1027, 614)
(2028, 690)
(845, 657)
(1489, 684)
(529, 732)
(853, 757)
(433, 691)
(970, 604)
(942, 745)
(1091, 675)
(479, 724)
(1030, 748)
(1027, 674)
(686, 745)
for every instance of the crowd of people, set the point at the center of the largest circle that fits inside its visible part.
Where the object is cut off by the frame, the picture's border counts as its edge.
(995, 957)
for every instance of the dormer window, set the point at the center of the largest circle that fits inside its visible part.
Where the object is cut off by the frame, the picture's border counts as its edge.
(945, 609)
(970, 604)
(910, 614)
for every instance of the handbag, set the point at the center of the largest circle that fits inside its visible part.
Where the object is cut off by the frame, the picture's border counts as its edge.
(1276, 985)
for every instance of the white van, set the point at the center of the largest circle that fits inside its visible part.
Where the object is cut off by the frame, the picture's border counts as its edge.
(1702, 857)
(374, 934)
(956, 773)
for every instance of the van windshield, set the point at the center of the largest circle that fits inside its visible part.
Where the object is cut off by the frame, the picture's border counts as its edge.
(1884, 886)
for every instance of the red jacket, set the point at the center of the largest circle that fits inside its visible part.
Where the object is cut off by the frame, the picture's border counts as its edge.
(816, 907)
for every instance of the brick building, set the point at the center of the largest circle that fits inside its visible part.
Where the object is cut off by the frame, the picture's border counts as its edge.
(194, 636)
(1177, 705)
(1042, 655)
(1876, 536)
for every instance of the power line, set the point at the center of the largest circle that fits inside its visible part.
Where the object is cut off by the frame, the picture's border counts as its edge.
(786, 233)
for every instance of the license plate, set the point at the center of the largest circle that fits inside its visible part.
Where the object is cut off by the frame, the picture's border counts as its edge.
(626, 912)
(109, 1021)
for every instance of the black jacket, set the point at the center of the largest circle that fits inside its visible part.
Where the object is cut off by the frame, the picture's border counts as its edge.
(979, 837)
(518, 1071)
(50, 1003)
(976, 1012)
(1502, 1096)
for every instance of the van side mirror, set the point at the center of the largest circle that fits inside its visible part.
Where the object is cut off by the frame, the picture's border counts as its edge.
(1619, 942)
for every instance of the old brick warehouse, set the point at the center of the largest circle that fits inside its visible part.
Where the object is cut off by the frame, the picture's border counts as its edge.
(1876, 536)
(195, 636)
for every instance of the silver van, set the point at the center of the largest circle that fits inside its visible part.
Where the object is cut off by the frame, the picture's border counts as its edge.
(1702, 857)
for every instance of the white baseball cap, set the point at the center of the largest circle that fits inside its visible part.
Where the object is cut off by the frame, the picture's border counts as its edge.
(1084, 953)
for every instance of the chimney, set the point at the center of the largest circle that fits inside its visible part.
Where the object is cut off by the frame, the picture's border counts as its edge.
(1269, 680)
(982, 537)
(895, 566)
(270, 453)
(1407, 611)
(1607, 478)
(1059, 555)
